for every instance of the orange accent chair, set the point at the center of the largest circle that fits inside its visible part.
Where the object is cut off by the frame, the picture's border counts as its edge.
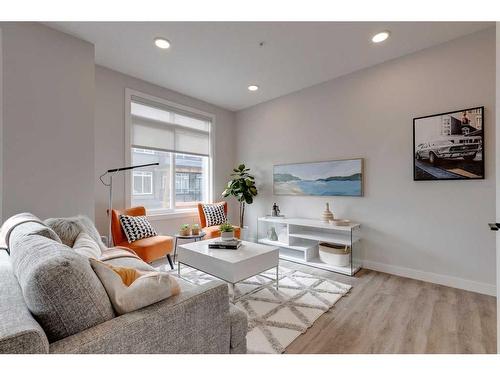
(213, 231)
(148, 249)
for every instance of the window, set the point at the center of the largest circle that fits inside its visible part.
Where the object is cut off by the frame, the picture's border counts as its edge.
(178, 138)
(143, 183)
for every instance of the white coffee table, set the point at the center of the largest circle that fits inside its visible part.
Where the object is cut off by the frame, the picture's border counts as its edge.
(231, 266)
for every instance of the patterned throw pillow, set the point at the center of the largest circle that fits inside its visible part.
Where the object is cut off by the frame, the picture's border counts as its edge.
(214, 214)
(136, 227)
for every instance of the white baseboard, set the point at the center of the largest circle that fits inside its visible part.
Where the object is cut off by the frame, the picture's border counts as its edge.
(451, 281)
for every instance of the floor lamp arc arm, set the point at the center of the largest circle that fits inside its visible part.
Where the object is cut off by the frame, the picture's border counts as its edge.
(109, 185)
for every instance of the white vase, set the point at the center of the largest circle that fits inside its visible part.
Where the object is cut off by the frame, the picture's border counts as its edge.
(244, 233)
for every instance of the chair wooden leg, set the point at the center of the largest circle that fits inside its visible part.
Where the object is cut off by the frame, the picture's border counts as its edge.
(170, 261)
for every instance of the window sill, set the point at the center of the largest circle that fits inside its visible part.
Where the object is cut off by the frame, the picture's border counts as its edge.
(173, 215)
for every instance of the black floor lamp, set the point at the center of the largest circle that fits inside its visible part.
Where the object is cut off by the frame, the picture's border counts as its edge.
(109, 184)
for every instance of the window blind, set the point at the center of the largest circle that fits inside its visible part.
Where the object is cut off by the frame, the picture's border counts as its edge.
(158, 127)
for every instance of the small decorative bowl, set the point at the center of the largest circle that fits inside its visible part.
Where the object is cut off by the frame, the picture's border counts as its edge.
(341, 222)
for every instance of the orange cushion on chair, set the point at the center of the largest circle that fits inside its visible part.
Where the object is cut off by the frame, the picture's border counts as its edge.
(214, 232)
(151, 248)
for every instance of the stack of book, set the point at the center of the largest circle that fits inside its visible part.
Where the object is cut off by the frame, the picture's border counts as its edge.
(230, 245)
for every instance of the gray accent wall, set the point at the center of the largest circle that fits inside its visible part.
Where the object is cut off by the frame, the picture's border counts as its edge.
(48, 122)
(434, 231)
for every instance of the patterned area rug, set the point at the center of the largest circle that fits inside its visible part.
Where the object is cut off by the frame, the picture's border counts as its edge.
(277, 317)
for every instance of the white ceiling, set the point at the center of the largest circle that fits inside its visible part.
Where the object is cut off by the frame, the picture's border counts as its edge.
(216, 61)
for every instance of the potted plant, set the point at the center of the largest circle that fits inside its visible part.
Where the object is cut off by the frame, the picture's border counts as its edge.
(242, 187)
(195, 229)
(185, 230)
(226, 232)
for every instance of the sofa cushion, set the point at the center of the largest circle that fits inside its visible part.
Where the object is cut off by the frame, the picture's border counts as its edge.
(239, 327)
(86, 246)
(30, 221)
(68, 229)
(60, 288)
(129, 262)
(19, 331)
(151, 248)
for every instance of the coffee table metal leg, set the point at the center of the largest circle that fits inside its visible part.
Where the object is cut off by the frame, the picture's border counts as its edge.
(175, 250)
(179, 269)
(277, 278)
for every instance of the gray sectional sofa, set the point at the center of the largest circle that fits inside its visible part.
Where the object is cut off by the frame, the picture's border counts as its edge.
(43, 283)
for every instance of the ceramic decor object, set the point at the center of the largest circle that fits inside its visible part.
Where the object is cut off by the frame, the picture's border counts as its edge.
(327, 214)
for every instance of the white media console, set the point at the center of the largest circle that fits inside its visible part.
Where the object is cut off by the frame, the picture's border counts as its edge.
(298, 240)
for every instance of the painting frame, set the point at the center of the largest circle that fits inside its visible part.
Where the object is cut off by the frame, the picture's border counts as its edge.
(482, 153)
(361, 181)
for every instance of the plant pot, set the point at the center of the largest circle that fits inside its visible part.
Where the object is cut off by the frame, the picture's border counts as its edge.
(227, 236)
(195, 231)
(185, 232)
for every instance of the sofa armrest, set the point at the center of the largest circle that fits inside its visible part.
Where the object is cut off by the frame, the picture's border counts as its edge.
(239, 328)
(195, 321)
(20, 333)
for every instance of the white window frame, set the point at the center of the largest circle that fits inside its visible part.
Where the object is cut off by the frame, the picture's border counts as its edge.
(172, 212)
(143, 151)
(144, 174)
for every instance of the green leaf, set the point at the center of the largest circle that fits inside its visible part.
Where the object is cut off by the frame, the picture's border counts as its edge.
(241, 167)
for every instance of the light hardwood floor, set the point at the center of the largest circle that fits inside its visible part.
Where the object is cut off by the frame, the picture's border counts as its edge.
(389, 314)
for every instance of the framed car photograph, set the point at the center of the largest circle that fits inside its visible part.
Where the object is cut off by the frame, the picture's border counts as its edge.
(449, 146)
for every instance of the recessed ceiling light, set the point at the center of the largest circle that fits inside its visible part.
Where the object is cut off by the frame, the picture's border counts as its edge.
(162, 43)
(253, 88)
(380, 37)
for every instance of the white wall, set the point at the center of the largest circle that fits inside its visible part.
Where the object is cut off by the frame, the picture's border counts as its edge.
(48, 122)
(110, 141)
(1, 127)
(498, 174)
(435, 231)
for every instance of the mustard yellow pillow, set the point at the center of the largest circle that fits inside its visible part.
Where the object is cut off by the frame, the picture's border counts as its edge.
(130, 289)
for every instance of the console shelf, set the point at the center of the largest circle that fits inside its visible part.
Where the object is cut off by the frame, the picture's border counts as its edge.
(298, 240)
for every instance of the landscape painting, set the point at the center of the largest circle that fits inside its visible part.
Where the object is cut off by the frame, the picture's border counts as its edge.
(325, 178)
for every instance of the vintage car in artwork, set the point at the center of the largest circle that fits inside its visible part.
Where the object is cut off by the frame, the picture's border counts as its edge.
(452, 148)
